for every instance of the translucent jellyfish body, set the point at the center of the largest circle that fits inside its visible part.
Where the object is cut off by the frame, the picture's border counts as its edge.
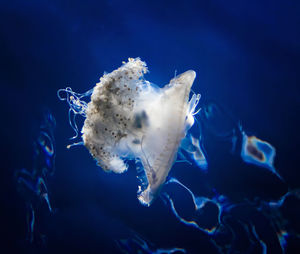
(130, 118)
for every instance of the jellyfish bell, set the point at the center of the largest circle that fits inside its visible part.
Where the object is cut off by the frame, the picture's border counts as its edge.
(130, 118)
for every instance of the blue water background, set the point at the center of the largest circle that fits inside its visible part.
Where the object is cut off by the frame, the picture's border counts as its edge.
(246, 55)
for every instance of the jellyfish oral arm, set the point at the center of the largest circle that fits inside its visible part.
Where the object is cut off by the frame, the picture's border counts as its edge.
(191, 111)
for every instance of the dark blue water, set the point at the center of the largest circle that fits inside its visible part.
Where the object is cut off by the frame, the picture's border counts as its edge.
(246, 55)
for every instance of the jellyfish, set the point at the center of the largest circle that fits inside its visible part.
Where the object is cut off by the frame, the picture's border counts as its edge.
(128, 117)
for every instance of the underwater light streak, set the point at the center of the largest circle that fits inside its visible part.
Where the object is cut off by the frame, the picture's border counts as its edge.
(258, 152)
(139, 245)
(269, 209)
(32, 183)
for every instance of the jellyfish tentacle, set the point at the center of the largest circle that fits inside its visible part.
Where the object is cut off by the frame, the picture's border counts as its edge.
(77, 105)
